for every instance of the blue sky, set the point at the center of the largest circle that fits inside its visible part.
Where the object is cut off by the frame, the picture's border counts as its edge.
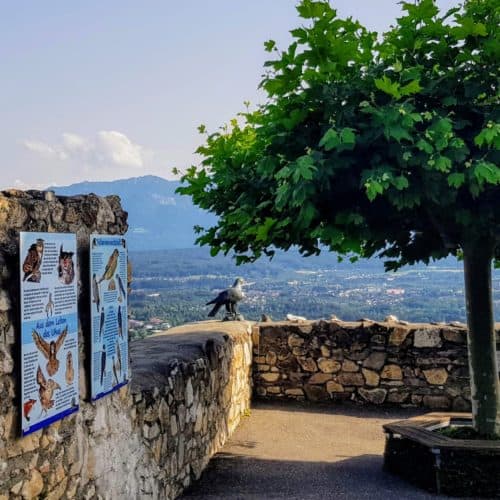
(95, 90)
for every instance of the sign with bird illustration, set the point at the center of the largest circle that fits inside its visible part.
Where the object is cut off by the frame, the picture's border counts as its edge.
(108, 278)
(49, 328)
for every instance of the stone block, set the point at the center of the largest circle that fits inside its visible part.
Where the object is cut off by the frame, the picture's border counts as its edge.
(299, 351)
(462, 405)
(59, 491)
(320, 378)
(427, 338)
(271, 358)
(398, 336)
(255, 335)
(296, 377)
(273, 389)
(436, 376)
(397, 397)
(375, 361)
(315, 393)
(416, 399)
(294, 392)
(372, 378)
(437, 402)
(374, 396)
(392, 372)
(261, 391)
(455, 336)
(325, 351)
(348, 378)
(349, 366)
(270, 377)
(328, 365)
(295, 340)
(337, 354)
(33, 487)
(332, 386)
(307, 364)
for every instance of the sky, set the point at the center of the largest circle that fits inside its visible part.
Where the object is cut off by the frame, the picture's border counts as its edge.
(94, 90)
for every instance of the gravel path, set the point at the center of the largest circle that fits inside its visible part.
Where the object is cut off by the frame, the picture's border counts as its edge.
(296, 451)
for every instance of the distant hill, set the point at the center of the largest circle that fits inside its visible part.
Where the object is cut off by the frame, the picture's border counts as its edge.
(158, 217)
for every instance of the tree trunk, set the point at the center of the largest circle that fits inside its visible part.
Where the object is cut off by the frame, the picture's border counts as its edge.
(485, 387)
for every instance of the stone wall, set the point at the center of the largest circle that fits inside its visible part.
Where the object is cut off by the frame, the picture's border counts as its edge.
(151, 438)
(377, 363)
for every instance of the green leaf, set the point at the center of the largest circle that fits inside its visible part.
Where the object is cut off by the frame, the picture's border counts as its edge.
(373, 188)
(443, 164)
(348, 136)
(400, 182)
(423, 145)
(489, 136)
(263, 230)
(469, 28)
(411, 88)
(330, 140)
(456, 179)
(304, 169)
(486, 172)
(299, 33)
(396, 131)
(269, 45)
(449, 101)
(309, 9)
(386, 85)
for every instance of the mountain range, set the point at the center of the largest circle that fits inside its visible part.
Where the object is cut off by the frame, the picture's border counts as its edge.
(158, 217)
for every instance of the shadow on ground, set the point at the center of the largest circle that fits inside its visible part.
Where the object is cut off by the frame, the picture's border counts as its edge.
(243, 477)
(301, 451)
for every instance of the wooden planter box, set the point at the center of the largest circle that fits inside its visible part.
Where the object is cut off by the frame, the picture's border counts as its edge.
(458, 467)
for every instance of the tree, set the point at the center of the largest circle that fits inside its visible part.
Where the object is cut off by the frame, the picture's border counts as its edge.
(370, 145)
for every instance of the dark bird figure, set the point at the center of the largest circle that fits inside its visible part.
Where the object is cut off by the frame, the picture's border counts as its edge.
(122, 288)
(33, 261)
(50, 349)
(95, 292)
(101, 323)
(119, 318)
(117, 364)
(228, 298)
(115, 374)
(103, 362)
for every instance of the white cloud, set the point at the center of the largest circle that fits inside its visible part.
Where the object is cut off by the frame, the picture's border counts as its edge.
(118, 148)
(76, 143)
(109, 149)
(45, 150)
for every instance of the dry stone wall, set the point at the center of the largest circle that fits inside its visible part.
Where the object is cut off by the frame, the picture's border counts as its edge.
(151, 438)
(375, 363)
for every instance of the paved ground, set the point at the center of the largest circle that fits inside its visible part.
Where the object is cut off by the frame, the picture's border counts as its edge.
(305, 452)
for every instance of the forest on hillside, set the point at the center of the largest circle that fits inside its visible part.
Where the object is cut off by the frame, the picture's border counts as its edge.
(172, 287)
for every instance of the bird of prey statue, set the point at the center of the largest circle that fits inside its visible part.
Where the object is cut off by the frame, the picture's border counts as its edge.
(230, 299)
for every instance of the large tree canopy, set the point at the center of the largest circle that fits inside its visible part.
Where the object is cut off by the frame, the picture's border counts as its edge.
(367, 145)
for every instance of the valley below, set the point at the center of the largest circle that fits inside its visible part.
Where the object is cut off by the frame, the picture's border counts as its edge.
(171, 287)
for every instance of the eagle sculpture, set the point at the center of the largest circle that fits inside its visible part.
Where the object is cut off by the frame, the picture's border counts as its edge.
(230, 299)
